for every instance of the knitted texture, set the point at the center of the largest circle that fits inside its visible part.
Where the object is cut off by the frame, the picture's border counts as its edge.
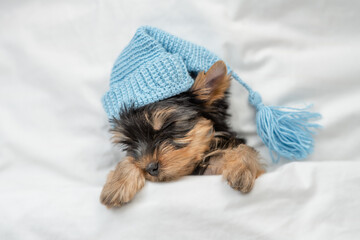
(154, 66)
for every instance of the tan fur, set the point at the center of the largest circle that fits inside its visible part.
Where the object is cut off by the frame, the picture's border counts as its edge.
(160, 116)
(199, 87)
(122, 184)
(117, 136)
(211, 86)
(175, 163)
(181, 162)
(240, 166)
(128, 178)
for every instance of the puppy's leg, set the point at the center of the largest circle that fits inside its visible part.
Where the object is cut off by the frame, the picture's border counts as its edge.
(122, 184)
(240, 166)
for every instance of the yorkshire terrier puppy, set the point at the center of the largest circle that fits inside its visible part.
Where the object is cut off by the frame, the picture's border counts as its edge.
(182, 135)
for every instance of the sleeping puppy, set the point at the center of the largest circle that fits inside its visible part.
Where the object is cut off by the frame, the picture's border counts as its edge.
(182, 135)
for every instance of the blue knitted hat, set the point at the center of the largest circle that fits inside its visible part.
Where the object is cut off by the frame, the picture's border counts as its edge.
(155, 65)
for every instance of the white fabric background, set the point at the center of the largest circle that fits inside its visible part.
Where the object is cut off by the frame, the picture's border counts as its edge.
(55, 62)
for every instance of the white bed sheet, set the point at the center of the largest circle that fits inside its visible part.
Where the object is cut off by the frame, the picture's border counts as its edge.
(55, 61)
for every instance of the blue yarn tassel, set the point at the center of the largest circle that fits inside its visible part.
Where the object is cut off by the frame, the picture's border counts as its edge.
(285, 131)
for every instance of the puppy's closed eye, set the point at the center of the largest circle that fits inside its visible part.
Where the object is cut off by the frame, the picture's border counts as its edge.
(180, 143)
(159, 117)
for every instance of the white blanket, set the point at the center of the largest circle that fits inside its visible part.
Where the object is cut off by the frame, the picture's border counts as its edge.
(55, 152)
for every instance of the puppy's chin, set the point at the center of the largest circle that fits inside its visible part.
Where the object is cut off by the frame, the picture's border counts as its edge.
(161, 177)
(158, 178)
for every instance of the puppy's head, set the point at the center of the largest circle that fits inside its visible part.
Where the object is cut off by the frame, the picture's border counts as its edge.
(169, 138)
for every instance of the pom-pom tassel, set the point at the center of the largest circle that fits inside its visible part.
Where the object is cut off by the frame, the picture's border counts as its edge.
(285, 131)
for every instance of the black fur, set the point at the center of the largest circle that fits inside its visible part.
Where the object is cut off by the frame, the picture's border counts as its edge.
(141, 138)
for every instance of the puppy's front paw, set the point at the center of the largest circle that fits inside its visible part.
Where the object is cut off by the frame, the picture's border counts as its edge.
(242, 167)
(240, 179)
(122, 185)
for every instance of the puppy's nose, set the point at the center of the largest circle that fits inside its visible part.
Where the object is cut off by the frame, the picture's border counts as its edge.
(153, 169)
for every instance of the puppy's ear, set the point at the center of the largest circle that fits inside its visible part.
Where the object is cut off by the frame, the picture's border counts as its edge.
(212, 85)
